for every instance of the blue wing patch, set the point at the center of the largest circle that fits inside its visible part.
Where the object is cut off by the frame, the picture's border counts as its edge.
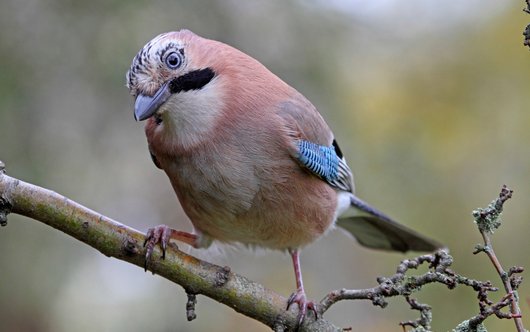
(321, 160)
(327, 163)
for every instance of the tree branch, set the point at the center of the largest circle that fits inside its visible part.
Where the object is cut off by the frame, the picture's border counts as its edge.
(247, 297)
(114, 239)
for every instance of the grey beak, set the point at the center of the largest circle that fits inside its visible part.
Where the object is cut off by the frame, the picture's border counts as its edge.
(145, 106)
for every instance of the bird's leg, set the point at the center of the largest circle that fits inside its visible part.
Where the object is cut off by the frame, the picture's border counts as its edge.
(299, 295)
(161, 234)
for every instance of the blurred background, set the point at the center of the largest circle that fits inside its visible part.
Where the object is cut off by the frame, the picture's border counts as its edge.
(428, 100)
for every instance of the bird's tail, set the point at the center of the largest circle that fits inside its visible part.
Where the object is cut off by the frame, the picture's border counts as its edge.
(375, 230)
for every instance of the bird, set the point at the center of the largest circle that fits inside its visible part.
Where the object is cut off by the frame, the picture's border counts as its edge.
(251, 160)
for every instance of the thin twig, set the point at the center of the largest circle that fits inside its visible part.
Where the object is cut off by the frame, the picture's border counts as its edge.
(425, 315)
(488, 310)
(488, 220)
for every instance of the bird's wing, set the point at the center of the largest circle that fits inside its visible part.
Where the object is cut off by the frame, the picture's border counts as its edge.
(316, 150)
(313, 144)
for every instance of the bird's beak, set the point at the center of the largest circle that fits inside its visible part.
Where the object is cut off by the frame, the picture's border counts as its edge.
(145, 106)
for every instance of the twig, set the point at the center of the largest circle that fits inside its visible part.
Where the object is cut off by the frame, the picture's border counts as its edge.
(190, 306)
(488, 220)
(425, 315)
(398, 284)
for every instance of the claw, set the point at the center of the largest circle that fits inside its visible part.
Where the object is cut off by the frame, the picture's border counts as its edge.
(304, 305)
(159, 234)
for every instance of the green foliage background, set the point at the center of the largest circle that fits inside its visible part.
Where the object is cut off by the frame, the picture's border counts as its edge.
(428, 100)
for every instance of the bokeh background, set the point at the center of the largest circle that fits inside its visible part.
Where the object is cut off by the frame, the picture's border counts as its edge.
(428, 99)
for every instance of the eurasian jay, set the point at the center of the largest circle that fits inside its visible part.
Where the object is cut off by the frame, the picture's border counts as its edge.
(249, 157)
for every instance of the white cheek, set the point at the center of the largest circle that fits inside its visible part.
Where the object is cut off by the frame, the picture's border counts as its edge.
(188, 117)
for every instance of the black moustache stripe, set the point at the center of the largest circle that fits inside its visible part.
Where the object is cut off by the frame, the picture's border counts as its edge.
(194, 80)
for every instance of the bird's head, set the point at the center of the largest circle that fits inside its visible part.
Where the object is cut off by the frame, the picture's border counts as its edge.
(186, 85)
(171, 63)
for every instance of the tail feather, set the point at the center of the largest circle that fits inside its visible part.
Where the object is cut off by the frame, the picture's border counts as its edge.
(375, 230)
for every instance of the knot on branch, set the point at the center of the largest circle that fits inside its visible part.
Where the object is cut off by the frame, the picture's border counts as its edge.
(514, 277)
(221, 276)
(130, 246)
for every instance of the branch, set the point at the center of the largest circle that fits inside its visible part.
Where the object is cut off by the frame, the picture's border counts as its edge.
(488, 220)
(246, 297)
(114, 239)
(401, 284)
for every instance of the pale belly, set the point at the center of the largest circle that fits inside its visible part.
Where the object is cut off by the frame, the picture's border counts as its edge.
(260, 210)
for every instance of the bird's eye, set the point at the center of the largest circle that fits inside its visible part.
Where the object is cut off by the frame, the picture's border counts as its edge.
(173, 60)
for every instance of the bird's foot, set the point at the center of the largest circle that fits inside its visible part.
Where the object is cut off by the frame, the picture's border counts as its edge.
(304, 305)
(160, 235)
